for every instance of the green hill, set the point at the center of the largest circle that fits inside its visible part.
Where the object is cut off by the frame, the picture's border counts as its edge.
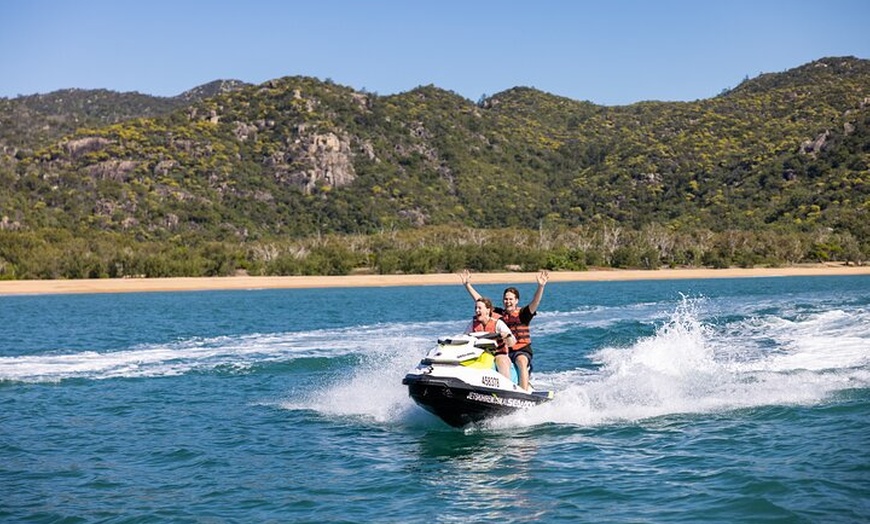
(299, 175)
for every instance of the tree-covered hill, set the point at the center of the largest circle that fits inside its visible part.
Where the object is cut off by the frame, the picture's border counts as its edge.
(36, 120)
(773, 171)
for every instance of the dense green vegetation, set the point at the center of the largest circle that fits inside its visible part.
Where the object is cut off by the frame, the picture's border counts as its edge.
(302, 176)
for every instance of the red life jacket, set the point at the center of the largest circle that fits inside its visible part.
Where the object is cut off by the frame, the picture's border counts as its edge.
(521, 331)
(489, 327)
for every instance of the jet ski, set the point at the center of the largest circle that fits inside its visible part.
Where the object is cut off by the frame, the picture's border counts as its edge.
(458, 382)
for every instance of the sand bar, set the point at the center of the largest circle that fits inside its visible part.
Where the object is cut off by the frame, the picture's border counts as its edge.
(132, 285)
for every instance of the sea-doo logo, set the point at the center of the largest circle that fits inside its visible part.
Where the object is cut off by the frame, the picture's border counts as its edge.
(492, 399)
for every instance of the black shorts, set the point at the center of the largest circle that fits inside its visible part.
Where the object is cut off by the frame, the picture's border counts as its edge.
(528, 354)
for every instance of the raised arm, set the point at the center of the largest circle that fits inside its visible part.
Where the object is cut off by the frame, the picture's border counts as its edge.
(465, 277)
(543, 277)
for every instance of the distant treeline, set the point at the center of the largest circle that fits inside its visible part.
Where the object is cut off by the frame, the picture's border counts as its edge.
(61, 254)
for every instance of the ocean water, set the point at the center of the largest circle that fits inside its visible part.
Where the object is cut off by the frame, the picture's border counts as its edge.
(722, 400)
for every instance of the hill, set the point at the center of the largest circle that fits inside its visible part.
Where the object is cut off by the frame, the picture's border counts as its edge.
(299, 175)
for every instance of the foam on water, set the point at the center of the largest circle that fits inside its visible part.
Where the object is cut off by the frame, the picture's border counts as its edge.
(202, 354)
(689, 366)
(373, 389)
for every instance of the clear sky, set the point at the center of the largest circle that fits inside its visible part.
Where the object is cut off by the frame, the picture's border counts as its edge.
(610, 52)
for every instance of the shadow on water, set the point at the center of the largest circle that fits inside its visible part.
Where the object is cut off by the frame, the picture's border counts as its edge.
(480, 471)
(450, 444)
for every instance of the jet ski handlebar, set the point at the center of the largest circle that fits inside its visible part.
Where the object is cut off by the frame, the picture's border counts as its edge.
(480, 339)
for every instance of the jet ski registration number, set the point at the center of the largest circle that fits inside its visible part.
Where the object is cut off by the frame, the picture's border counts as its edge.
(490, 381)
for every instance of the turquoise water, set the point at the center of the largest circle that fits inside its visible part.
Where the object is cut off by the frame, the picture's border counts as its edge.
(744, 400)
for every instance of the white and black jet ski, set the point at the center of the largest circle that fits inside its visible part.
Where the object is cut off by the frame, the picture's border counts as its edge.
(458, 382)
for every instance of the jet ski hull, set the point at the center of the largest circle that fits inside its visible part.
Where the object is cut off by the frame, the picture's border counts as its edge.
(459, 404)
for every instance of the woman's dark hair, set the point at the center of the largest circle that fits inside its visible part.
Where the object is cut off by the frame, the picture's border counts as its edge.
(513, 290)
(486, 302)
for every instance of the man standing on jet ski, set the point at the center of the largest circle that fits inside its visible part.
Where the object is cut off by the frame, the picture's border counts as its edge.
(518, 320)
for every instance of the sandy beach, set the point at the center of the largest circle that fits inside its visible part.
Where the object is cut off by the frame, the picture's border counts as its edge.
(131, 285)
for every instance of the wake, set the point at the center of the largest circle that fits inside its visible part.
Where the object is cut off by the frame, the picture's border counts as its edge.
(236, 353)
(692, 367)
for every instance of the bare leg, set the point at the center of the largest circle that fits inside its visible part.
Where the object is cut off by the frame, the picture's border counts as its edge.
(503, 364)
(523, 369)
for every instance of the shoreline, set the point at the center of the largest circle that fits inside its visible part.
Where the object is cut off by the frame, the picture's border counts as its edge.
(136, 285)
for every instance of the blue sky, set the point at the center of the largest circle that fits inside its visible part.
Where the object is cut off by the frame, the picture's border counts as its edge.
(610, 52)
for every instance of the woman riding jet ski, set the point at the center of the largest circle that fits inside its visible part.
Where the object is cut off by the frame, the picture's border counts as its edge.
(458, 382)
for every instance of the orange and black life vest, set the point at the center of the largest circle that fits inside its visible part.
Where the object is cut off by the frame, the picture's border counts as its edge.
(520, 329)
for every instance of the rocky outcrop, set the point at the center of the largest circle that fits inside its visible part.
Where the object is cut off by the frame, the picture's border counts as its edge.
(82, 146)
(326, 160)
(814, 147)
(117, 170)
